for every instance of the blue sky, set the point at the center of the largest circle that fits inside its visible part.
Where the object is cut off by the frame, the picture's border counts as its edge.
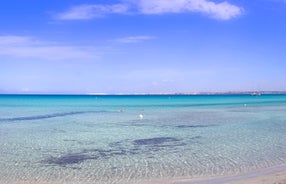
(142, 46)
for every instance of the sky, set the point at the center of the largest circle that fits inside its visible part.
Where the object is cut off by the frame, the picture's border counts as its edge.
(142, 46)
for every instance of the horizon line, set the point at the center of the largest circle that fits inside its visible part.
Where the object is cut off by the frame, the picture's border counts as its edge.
(162, 93)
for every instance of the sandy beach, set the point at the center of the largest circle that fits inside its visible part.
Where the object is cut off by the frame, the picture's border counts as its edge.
(275, 178)
(273, 175)
(266, 176)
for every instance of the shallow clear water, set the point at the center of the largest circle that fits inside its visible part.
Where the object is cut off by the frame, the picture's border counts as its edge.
(87, 139)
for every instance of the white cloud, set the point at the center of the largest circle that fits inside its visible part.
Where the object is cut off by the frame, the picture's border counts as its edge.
(91, 11)
(133, 39)
(14, 40)
(221, 11)
(27, 47)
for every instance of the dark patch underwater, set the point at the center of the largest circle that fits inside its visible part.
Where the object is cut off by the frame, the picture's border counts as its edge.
(155, 141)
(118, 148)
(47, 116)
(68, 159)
(194, 126)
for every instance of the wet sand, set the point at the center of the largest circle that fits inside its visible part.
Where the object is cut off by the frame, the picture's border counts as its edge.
(274, 175)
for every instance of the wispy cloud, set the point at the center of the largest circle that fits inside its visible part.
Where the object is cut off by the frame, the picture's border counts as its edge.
(14, 40)
(134, 39)
(221, 11)
(27, 47)
(91, 11)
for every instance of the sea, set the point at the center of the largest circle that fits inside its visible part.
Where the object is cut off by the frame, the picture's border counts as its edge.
(138, 138)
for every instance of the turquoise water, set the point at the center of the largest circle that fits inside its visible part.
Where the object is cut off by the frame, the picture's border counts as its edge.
(102, 139)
